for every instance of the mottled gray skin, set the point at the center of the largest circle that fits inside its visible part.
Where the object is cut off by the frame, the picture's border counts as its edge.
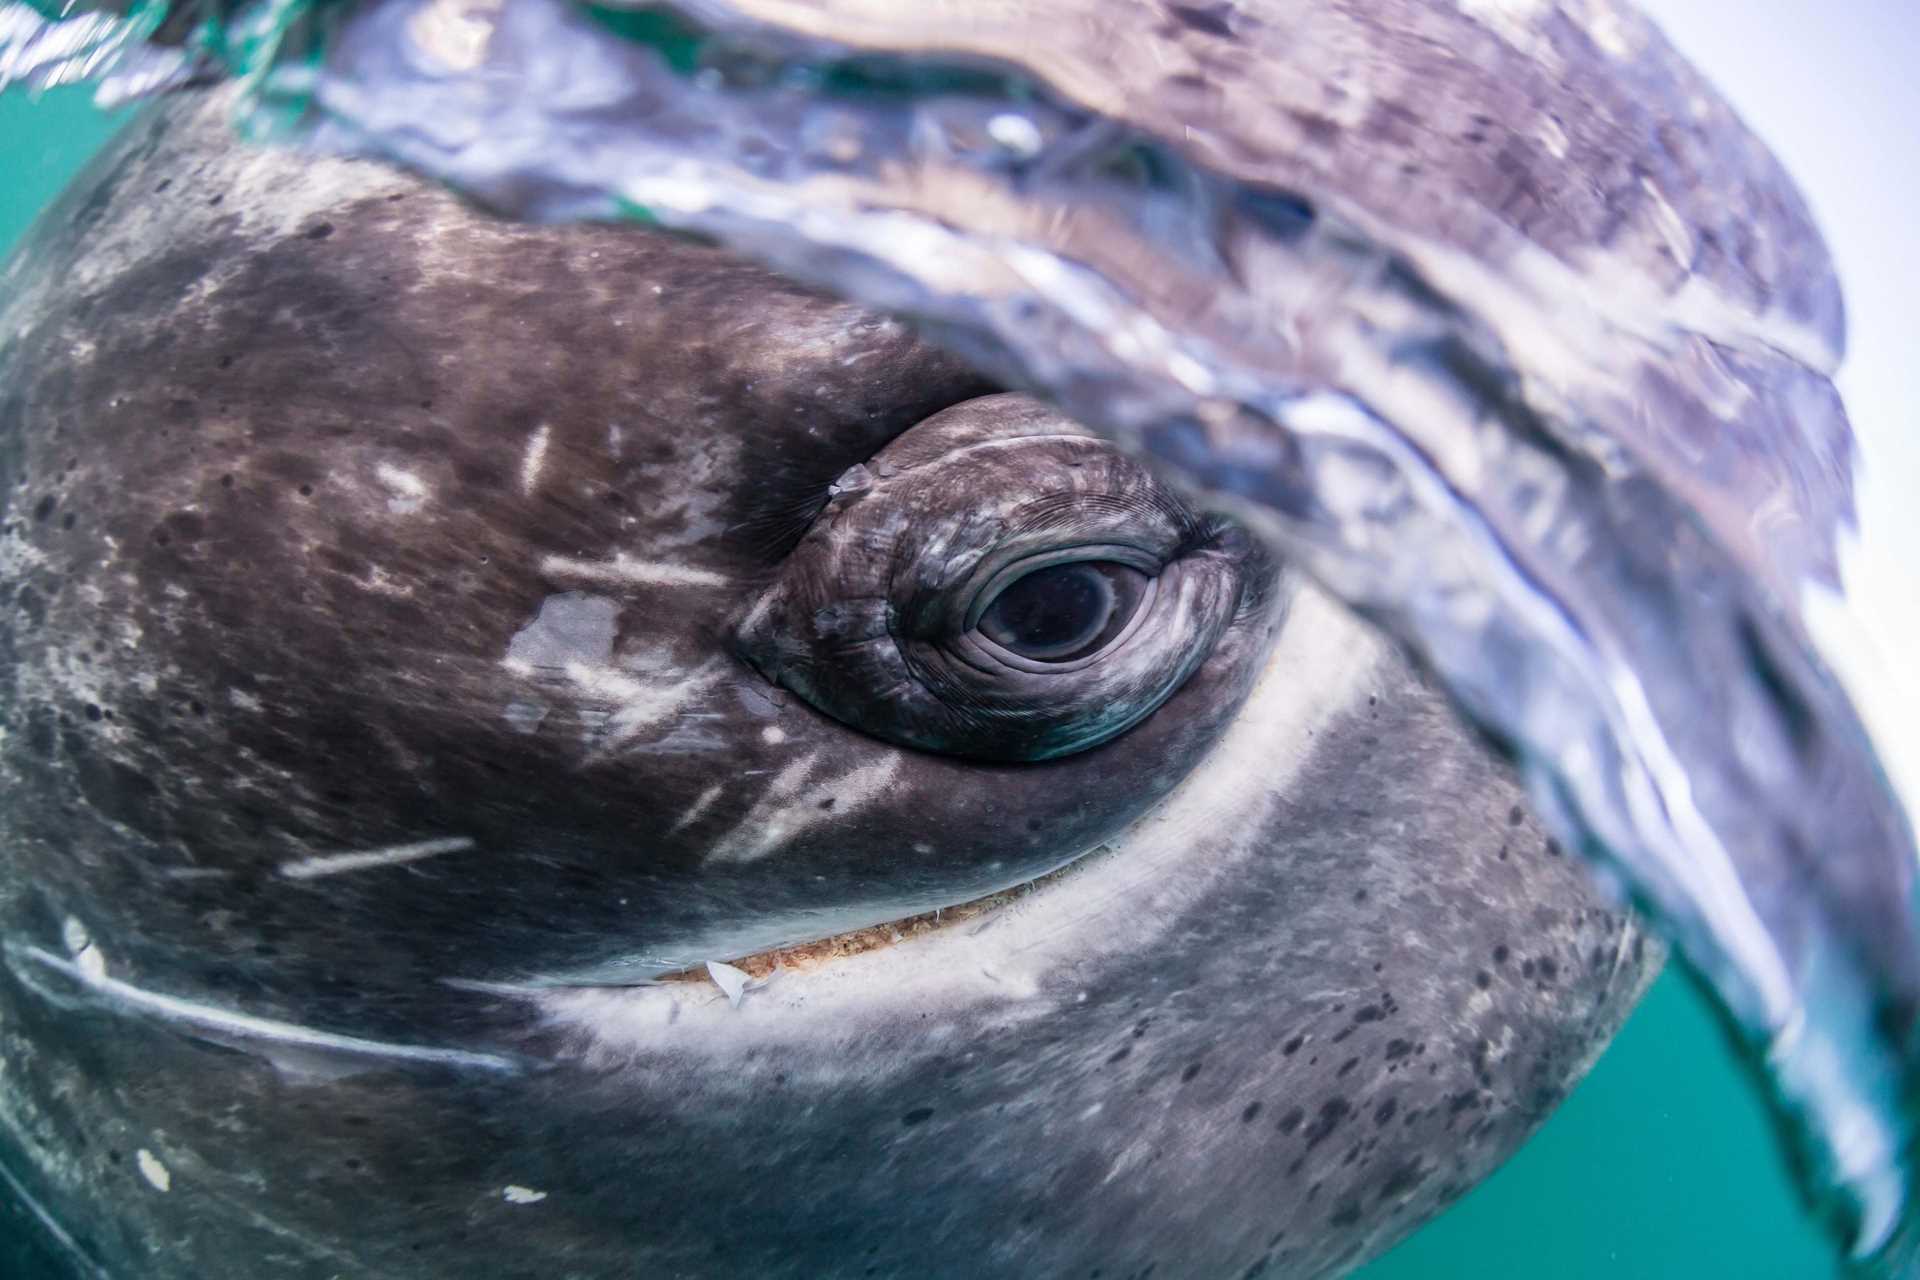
(316, 490)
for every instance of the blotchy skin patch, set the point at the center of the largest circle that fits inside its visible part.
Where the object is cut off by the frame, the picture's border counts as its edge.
(378, 730)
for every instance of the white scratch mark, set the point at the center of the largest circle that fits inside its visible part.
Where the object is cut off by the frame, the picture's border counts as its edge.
(1553, 138)
(247, 1027)
(409, 490)
(521, 1195)
(153, 1171)
(789, 806)
(639, 704)
(624, 568)
(536, 458)
(331, 864)
(700, 805)
(1671, 226)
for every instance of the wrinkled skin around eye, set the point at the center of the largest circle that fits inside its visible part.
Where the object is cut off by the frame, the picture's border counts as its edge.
(899, 612)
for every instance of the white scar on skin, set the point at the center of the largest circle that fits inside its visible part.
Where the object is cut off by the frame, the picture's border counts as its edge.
(638, 703)
(700, 805)
(522, 1195)
(789, 806)
(409, 490)
(625, 569)
(226, 1024)
(332, 864)
(536, 458)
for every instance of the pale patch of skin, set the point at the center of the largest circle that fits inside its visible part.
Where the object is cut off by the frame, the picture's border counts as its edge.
(409, 490)
(535, 459)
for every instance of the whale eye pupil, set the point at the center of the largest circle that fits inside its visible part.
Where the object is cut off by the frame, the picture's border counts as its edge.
(1064, 611)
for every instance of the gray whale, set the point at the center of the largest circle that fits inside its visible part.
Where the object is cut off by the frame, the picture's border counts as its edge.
(431, 639)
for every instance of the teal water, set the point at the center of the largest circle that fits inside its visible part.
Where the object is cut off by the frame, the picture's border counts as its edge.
(1660, 1165)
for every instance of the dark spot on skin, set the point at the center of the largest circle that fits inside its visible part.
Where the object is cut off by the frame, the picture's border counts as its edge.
(44, 508)
(829, 802)
(1515, 816)
(1463, 1102)
(1370, 1013)
(1291, 1120)
(1332, 1112)
(1500, 954)
(1347, 1066)
(1346, 1215)
(1553, 848)
(1526, 968)
(1384, 1112)
(1549, 969)
(1359, 895)
(306, 491)
(93, 712)
(1397, 1049)
(1140, 1028)
(1210, 19)
(1292, 1046)
(163, 184)
(1119, 1055)
(213, 201)
(1193, 1069)
(919, 1115)
(226, 481)
(1403, 1179)
(320, 231)
(1483, 979)
(1343, 1033)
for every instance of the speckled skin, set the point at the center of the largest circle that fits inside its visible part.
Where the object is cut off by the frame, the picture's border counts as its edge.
(341, 519)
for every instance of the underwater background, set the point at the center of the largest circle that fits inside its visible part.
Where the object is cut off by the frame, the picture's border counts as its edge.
(1661, 1163)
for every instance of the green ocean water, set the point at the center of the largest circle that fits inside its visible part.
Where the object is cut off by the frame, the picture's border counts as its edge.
(1660, 1165)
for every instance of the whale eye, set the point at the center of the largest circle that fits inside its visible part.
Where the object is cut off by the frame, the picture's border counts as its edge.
(999, 583)
(1065, 611)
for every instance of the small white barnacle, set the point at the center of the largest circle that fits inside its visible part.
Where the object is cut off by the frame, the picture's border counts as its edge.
(153, 1171)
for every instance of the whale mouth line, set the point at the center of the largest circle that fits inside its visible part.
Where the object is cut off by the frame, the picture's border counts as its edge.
(801, 957)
